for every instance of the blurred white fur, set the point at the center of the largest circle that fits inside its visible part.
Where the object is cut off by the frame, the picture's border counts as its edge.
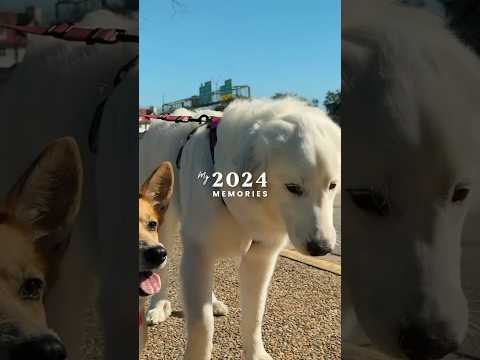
(54, 93)
(424, 83)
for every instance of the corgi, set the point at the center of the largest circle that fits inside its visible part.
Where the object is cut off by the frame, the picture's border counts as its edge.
(36, 220)
(153, 200)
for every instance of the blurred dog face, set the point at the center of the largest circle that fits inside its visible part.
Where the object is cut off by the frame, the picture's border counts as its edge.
(153, 202)
(409, 191)
(35, 223)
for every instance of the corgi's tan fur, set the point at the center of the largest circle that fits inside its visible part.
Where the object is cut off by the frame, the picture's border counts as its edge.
(35, 224)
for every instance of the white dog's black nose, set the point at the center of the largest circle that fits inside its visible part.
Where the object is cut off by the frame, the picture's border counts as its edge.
(39, 348)
(155, 255)
(420, 343)
(321, 248)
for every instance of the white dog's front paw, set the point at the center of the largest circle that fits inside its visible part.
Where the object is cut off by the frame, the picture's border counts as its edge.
(160, 313)
(259, 355)
(219, 308)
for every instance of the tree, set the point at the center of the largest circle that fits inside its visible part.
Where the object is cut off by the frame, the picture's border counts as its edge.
(463, 18)
(131, 4)
(281, 95)
(332, 104)
(120, 6)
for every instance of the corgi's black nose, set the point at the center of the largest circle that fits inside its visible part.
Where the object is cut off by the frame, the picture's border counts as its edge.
(419, 343)
(40, 348)
(155, 255)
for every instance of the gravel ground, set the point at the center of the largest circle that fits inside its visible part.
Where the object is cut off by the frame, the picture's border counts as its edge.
(92, 342)
(302, 319)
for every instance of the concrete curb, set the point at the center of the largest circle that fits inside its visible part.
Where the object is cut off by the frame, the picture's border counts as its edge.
(351, 351)
(321, 264)
(356, 352)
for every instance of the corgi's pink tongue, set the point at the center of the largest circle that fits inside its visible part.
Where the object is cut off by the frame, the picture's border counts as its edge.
(151, 284)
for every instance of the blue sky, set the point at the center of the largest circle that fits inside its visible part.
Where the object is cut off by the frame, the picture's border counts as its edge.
(273, 46)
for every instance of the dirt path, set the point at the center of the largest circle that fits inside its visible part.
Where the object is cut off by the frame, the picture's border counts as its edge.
(302, 320)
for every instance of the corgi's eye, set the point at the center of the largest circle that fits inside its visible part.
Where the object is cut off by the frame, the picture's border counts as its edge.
(32, 289)
(332, 186)
(152, 226)
(295, 189)
(460, 194)
(370, 200)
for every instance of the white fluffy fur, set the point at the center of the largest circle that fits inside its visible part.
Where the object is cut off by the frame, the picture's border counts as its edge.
(410, 122)
(292, 143)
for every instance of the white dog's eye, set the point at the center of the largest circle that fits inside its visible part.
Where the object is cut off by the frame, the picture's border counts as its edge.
(295, 189)
(460, 194)
(31, 289)
(370, 200)
(332, 186)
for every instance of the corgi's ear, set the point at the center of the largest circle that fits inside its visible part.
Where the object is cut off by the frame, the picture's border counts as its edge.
(158, 188)
(47, 196)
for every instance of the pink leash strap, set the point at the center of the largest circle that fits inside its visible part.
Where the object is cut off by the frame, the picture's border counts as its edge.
(181, 118)
(69, 32)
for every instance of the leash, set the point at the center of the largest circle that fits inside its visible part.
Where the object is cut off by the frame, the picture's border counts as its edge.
(215, 120)
(69, 32)
(181, 118)
(93, 134)
(211, 122)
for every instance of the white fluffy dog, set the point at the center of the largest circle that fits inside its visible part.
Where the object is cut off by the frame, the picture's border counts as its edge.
(298, 147)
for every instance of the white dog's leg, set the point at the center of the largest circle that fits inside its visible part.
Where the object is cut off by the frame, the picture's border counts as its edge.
(160, 307)
(197, 273)
(256, 271)
(219, 308)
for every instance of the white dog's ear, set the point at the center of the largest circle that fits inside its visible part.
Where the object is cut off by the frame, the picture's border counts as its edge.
(47, 197)
(250, 156)
(254, 161)
(263, 143)
(158, 188)
(357, 55)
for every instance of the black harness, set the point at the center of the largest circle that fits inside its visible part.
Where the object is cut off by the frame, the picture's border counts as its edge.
(93, 134)
(212, 135)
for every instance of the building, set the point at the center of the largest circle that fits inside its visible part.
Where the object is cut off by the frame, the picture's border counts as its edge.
(13, 44)
(209, 98)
